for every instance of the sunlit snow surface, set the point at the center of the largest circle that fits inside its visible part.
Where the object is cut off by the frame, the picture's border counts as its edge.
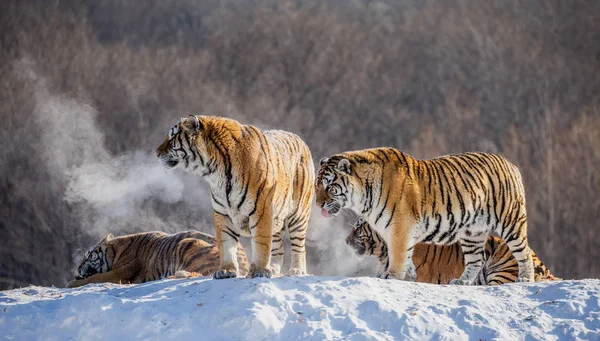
(302, 308)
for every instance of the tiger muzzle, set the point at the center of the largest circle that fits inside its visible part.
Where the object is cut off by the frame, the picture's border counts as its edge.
(86, 271)
(171, 163)
(331, 208)
(357, 246)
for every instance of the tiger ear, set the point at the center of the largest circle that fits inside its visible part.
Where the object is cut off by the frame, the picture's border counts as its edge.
(344, 166)
(191, 124)
(108, 238)
(323, 161)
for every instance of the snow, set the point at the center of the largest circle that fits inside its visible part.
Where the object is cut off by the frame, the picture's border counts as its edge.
(298, 308)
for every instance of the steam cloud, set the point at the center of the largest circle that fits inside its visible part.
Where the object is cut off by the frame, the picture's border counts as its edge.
(118, 187)
(109, 193)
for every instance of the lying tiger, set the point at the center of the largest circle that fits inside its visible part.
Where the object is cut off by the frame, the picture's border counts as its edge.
(143, 257)
(442, 263)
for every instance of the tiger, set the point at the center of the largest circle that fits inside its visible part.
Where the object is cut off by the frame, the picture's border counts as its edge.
(149, 256)
(439, 264)
(461, 197)
(261, 184)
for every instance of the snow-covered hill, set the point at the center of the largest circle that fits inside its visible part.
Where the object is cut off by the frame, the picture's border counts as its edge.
(313, 308)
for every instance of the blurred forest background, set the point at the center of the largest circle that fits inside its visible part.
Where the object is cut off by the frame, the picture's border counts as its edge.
(88, 90)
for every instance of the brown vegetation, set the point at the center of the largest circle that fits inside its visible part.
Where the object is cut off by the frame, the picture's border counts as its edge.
(521, 78)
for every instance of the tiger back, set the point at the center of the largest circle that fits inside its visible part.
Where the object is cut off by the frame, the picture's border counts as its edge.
(143, 257)
(260, 186)
(439, 264)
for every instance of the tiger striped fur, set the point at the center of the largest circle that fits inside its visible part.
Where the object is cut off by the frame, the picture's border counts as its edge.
(143, 257)
(260, 185)
(452, 198)
(442, 263)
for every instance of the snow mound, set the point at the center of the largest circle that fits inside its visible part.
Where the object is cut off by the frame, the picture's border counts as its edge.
(299, 308)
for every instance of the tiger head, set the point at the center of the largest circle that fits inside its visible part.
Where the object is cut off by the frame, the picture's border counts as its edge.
(336, 185)
(181, 147)
(364, 240)
(96, 259)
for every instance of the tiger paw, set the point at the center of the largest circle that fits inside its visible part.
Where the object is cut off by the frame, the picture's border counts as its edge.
(296, 272)
(185, 274)
(260, 273)
(73, 284)
(411, 275)
(410, 278)
(223, 273)
(459, 281)
(524, 280)
(388, 275)
(276, 270)
(254, 272)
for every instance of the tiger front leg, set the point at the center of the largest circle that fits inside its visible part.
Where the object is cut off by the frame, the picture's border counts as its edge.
(261, 231)
(227, 239)
(473, 252)
(401, 248)
(381, 268)
(104, 277)
(410, 272)
(409, 268)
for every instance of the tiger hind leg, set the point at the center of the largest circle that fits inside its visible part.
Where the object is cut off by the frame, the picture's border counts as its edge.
(520, 249)
(515, 237)
(261, 232)
(298, 242)
(277, 253)
(473, 249)
(500, 266)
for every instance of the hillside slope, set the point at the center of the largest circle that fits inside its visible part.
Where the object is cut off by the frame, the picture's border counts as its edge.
(312, 307)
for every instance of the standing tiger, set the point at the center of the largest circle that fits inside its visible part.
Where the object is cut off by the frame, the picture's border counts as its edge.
(451, 198)
(260, 185)
(143, 257)
(442, 263)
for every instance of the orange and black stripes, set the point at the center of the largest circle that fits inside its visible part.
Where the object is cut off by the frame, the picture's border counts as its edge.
(442, 263)
(143, 257)
(443, 200)
(260, 184)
